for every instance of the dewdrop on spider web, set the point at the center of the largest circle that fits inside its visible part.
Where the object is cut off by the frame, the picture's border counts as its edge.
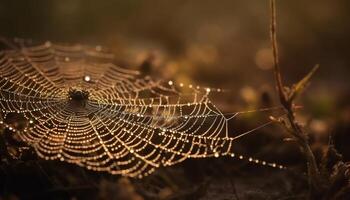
(87, 78)
(83, 109)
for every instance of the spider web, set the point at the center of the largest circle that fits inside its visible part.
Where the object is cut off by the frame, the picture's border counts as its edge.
(82, 109)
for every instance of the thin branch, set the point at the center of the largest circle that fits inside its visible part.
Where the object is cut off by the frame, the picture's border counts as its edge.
(273, 37)
(287, 98)
(301, 85)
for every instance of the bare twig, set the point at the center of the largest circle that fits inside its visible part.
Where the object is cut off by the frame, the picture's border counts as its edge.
(273, 37)
(300, 86)
(287, 98)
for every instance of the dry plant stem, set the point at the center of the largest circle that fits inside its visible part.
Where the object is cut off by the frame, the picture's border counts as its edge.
(277, 70)
(286, 99)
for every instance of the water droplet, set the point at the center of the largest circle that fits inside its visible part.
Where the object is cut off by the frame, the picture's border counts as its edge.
(87, 78)
(216, 154)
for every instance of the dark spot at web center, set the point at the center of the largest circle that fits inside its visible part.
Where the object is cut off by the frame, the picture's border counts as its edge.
(78, 97)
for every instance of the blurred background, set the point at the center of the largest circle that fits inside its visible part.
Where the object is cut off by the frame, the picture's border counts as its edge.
(220, 44)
